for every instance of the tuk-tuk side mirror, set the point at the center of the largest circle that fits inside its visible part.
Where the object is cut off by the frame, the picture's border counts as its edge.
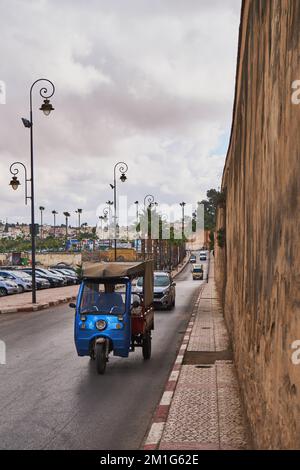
(173, 284)
(72, 305)
(135, 304)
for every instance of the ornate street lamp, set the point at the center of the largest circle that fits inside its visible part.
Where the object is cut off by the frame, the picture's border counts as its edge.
(41, 208)
(67, 215)
(182, 204)
(149, 201)
(79, 212)
(110, 204)
(46, 107)
(54, 221)
(123, 168)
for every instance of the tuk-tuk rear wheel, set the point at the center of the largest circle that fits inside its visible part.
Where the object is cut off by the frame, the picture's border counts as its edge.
(147, 345)
(100, 355)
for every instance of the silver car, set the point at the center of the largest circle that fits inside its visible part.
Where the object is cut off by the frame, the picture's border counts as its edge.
(7, 287)
(163, 290)
(23, 282)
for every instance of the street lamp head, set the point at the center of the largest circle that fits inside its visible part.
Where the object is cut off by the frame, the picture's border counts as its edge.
(15, 183)
(42, 208)
(123, 177)
(46, 107)
(136, 202)
(112, 186)
(26, 123)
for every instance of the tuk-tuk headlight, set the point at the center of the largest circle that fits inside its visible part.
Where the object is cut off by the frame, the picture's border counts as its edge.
(101, 324)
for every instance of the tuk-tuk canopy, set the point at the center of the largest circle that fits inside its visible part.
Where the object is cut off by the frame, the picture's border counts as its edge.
(105, 271)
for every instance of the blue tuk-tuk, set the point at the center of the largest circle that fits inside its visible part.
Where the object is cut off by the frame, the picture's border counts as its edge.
(109, 315)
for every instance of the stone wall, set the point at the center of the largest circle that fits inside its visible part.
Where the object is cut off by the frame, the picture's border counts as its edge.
(258, 270)
(50, 259)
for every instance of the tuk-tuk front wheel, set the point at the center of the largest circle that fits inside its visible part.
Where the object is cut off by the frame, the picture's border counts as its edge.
(147, 345)
(100, 356)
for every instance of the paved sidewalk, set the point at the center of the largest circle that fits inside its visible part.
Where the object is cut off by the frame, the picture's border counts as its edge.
(201, 407)
(45, 298)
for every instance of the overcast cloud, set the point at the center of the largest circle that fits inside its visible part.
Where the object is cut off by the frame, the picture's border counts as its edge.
(145, 81)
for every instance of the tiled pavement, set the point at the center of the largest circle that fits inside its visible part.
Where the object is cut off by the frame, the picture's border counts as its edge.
(205, 410)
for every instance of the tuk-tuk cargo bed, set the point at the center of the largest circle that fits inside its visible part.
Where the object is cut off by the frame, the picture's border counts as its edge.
(141, 322)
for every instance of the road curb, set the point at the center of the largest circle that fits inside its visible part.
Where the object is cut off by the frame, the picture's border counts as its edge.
(37, 307)
(181, 268)
(162, 411)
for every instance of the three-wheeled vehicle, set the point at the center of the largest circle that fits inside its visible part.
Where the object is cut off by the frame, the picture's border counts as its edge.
(109, 315)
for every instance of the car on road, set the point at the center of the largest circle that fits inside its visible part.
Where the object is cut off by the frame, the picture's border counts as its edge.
(163, 290)
(193, 258)
(7, 287)
(203, 255)
(197, 272)
(23, 282)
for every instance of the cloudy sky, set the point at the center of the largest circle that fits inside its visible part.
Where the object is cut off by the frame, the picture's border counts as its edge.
(149, 82)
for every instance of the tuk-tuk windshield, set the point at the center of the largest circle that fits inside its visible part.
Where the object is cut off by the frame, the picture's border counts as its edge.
(107, 299)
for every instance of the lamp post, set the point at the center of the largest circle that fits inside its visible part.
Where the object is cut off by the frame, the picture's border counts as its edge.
(41, 208)
(54, 221)
(149, 201)
(46, 107)
(182, 204)
(67, 215)
(137, 212)
(122, 167)
(79, 212)
(102, 217)
(110, 204)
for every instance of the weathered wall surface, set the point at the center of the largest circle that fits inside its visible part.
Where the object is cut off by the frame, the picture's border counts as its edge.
(50, 259)
(262, 256)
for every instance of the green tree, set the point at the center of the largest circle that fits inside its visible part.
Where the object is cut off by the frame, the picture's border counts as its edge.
(214, 199)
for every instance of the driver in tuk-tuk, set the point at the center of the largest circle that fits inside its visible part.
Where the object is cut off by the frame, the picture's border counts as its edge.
(108, 301)
(111, 299)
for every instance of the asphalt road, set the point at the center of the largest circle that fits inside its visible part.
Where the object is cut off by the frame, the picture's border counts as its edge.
(52, 399)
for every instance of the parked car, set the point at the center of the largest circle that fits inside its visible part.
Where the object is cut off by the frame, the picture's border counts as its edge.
(197, 272)
(163, 290)
(8, 287)
(53, 280)
(60, 279)
(40, 282)
(193, 259)
(71, 280)
(23, 282)
(68, 271)
(203, 255)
